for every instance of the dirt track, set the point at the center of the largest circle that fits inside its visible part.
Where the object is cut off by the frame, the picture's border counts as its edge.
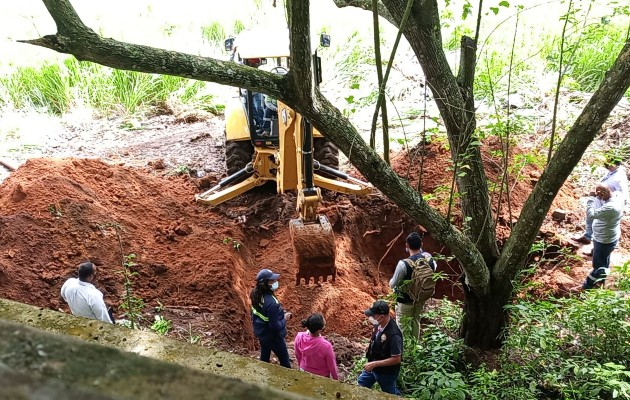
(200, 262)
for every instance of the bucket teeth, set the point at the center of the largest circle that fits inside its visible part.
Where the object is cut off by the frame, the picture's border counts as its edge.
(314, 248)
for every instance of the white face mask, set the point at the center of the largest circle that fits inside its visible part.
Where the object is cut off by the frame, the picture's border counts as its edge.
(275, 286)
(373, 321)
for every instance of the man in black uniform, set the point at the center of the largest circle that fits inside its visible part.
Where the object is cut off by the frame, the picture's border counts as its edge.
(384, 353)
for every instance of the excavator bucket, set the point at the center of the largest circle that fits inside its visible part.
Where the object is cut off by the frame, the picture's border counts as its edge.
(314, 247)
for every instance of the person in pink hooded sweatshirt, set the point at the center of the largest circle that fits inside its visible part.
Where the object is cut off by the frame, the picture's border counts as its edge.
(313, 352)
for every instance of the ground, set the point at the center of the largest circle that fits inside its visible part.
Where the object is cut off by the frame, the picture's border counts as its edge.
(103, 191)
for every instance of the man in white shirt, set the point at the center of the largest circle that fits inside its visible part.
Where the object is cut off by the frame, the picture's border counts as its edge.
(83, 298)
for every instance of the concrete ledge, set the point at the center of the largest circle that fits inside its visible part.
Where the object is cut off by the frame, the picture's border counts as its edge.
(92, 359)
(35, 365)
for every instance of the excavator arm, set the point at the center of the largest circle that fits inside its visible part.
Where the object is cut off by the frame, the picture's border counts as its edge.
(311, 234)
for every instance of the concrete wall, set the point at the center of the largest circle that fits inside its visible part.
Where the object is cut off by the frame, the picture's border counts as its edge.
(110, 372)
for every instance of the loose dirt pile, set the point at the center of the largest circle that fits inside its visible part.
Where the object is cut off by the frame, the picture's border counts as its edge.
(197, 264)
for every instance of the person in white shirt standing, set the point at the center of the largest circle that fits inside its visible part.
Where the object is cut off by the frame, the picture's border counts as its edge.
(83, 298)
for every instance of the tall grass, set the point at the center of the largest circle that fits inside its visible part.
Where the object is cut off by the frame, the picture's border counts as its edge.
(590, 54)
(47, 87)
(56, 88)
(214, 33)
(239, 26)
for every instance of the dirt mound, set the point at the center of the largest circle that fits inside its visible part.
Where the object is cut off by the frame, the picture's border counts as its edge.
(58, 213)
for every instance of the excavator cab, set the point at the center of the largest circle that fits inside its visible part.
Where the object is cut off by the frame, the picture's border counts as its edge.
(283, 147)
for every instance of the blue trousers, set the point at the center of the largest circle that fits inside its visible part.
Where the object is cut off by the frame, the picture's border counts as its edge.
(601, 263)
(279, 348)
(387, 382)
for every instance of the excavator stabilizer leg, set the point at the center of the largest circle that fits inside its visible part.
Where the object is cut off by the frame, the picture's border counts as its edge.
(314, 246)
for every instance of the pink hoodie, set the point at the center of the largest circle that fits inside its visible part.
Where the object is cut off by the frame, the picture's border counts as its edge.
(315, 355)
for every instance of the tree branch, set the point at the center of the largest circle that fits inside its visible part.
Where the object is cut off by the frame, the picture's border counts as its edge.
(329, 119)
(455, 102)
(569, 153)
(367, 5)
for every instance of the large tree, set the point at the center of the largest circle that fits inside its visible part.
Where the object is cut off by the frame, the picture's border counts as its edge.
(489, 270)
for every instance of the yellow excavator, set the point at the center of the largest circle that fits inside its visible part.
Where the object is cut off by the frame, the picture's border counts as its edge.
(266, 141)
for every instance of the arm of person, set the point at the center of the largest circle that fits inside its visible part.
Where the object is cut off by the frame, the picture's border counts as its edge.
(393, 360)
(276, 317)
(331, 361)
(298, 353)
(608, 210)
(399, 274)
(63, 291)
(395, 349)
(100, 310)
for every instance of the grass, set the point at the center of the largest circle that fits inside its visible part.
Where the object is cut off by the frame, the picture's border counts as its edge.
(591, 53)
(214, 33)
(57, 87)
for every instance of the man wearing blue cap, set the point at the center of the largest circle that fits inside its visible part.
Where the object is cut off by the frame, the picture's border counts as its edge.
(384, 354)
(269, 318)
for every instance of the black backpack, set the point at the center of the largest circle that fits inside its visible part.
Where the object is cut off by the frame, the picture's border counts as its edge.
(421, 286)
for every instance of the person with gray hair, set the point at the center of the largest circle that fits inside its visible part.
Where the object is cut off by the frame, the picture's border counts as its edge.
(617, 181)
(82, 297)
(605, 210)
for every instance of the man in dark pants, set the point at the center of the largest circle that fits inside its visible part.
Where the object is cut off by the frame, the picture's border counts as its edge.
(269, 318)
(617, 181)
(605, 210)
(384, 353)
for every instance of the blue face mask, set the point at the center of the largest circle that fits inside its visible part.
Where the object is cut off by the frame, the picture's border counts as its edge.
(275, 285)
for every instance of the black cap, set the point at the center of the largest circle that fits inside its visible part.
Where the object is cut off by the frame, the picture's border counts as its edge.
(379, 307)
(266, 274)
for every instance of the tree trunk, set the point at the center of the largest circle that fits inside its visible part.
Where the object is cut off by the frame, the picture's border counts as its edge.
(485, 318)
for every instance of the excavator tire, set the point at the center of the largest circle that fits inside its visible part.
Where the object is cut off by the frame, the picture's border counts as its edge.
(326, 152)
(237, 154)
(314, 249)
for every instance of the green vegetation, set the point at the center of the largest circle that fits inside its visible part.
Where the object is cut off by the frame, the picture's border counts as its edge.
(131, 304)
(569, 348)
(161, 325)
(214, 33)
(56, 88)
(236, 245)
(239, 26)
(591, 51)
(55, 210)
